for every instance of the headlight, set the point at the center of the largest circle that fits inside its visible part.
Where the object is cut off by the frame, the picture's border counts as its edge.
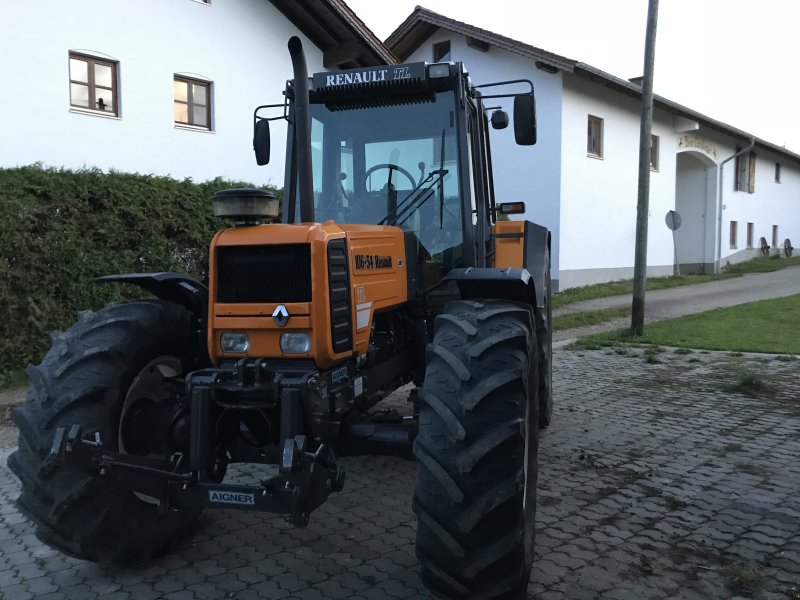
(234, 342)
(295, 343)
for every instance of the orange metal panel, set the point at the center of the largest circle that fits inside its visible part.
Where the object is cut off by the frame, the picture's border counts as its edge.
(377, 276)
(260, 310)
(509, 244)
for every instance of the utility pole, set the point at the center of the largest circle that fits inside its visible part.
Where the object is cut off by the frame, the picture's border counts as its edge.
(643, 204)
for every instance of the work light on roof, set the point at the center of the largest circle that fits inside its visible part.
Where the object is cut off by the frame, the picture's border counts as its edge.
(439, 70)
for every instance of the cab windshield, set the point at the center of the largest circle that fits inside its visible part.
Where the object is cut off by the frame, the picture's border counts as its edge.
(395, 165)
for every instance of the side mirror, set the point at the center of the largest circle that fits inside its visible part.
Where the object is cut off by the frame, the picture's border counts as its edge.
(499, 119)
(525, 119)
(261, 141)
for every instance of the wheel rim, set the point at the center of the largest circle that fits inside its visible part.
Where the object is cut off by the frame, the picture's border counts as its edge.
(148, 385)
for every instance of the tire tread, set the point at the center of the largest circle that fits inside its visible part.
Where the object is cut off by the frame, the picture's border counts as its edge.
(470, 475)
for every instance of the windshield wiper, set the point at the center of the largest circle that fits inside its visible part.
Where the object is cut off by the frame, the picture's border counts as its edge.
(416, 198)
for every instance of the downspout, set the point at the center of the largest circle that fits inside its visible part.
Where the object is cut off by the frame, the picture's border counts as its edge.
(718, 258)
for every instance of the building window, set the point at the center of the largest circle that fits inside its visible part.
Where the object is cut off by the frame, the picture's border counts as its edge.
(774, 236)
(733, 234)
(441, 51)
(746, 172)
(93, 84)
(654, 153)
(749, 235)
(192, 102)
(777, 172)
(594, 143)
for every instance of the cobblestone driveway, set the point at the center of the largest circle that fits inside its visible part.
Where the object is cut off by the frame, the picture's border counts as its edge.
(656, 481)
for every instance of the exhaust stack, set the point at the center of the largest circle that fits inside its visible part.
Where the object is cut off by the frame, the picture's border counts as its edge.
(302, 130)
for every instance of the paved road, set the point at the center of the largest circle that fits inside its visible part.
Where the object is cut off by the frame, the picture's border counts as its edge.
(701, 297)
(688, 300)
(656, 481)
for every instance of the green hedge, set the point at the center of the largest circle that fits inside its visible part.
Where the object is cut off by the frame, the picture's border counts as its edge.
(60, 229)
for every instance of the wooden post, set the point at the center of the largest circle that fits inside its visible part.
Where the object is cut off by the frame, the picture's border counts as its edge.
(643, 204)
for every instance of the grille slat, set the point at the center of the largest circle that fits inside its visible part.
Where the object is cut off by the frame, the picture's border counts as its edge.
(264, 274)
(339, 289)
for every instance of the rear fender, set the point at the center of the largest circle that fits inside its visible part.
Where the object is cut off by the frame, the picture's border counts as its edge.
(525, 247)
(506, 284)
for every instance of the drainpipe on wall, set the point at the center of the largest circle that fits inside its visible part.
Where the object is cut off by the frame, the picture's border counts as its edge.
(718, 261)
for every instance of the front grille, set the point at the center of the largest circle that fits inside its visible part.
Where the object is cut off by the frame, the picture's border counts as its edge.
(264, 274)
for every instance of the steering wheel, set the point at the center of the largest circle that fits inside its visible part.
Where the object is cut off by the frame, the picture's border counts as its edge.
(391, 168)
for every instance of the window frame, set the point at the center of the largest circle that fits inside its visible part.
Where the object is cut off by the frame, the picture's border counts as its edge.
(654, 152)
(91, 61)
(745, 180)
(733, 237)
(443, 56)
(594, 150)
(750, 228)
(190, 104)
(777, 172)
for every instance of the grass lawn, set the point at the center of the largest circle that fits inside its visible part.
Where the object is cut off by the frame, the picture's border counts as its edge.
(617, 288)
(771, 326)
(588, 318)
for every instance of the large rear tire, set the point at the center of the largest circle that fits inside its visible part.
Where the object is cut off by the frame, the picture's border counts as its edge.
(88, 378)
(475, 494)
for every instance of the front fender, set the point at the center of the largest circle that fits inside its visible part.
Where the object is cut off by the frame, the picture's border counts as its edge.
(180, 288)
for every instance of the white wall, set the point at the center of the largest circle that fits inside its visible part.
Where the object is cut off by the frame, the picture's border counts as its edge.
(521, 173)
(238, 44)
(771, 204)
(599, 195)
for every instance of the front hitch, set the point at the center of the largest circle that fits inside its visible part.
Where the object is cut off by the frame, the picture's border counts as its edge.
(314, 475)
(304, 483)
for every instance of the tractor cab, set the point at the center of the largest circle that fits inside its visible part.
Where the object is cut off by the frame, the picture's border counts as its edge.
(404, 146)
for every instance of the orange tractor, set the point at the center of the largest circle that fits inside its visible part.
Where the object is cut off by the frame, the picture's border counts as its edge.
(388, 265)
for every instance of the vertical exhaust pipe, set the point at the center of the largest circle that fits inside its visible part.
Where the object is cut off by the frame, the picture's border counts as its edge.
(302, 130)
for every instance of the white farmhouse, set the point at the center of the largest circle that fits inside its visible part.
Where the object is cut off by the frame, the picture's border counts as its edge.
(161, 87)
(580, 179)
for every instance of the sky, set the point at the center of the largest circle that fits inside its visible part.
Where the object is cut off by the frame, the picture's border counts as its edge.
(731, 60)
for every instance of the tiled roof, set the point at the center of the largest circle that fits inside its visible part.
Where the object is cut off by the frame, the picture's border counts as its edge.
(422, 22)
(346, 42)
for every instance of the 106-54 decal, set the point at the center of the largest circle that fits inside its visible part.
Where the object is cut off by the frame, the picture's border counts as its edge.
(372, 261)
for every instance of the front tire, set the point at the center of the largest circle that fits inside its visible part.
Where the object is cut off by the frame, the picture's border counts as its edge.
(87, 378)
(475, 494)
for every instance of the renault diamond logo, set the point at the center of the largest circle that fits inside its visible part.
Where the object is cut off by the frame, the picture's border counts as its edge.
(280, 315)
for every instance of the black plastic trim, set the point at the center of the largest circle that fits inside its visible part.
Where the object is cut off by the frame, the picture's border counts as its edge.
(339, 292)
(180, 288)
(487, 282)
